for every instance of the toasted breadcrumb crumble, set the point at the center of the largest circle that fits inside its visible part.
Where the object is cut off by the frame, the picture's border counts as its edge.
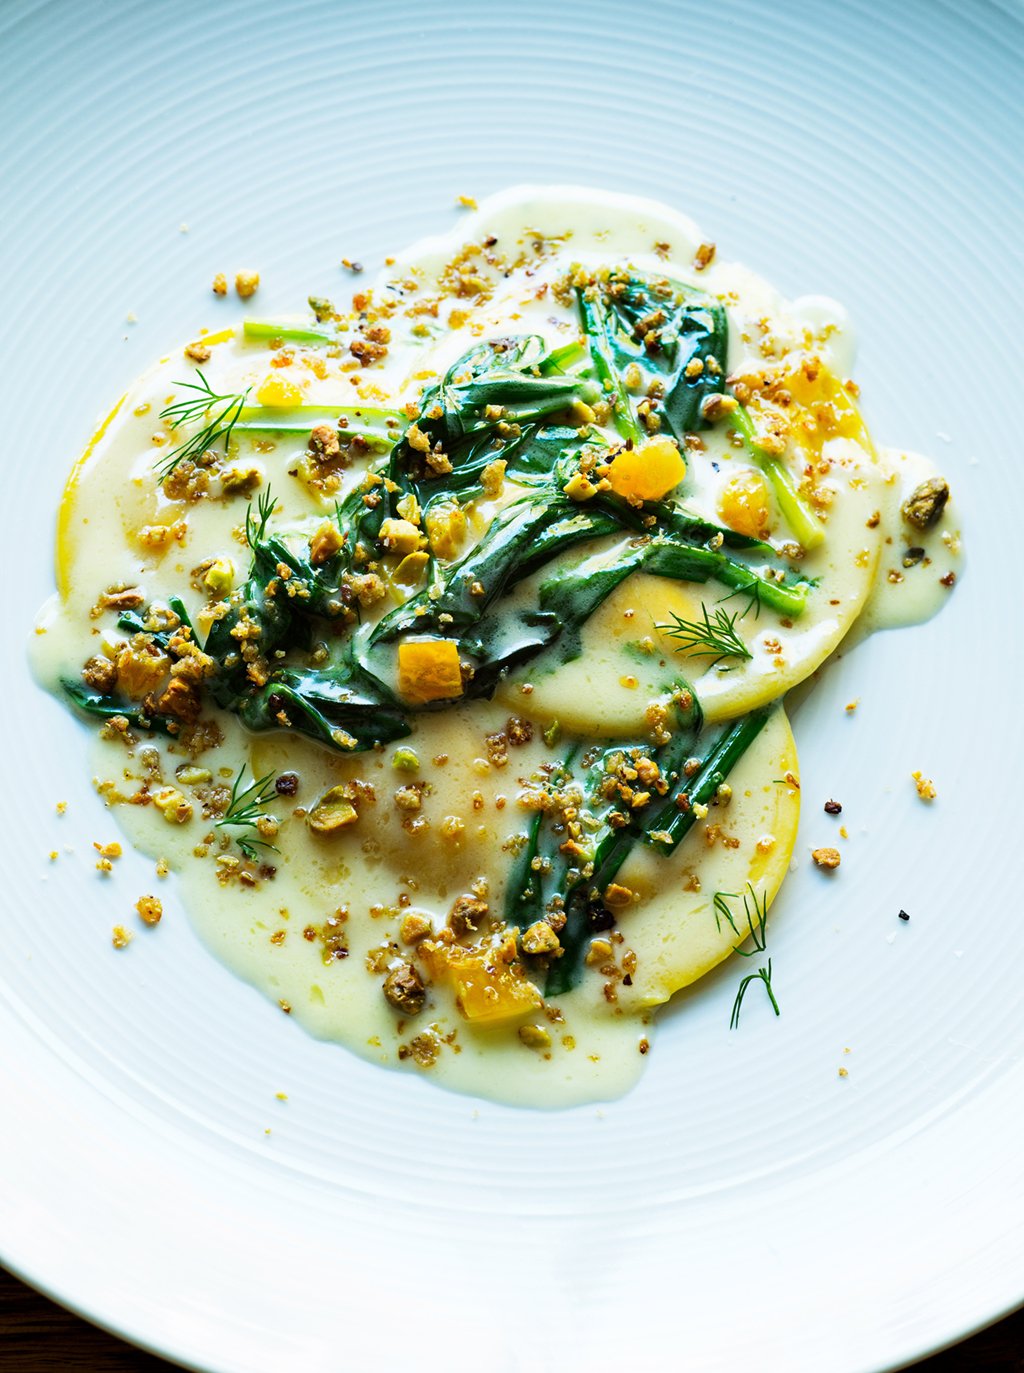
(150, 909)
(247, 283)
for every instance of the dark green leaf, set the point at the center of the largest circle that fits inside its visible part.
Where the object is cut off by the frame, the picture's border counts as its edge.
(663, 328)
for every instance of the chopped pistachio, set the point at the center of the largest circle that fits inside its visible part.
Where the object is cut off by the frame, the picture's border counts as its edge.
(334, 811)
(552, 734)
(189, 775)
(535, 1037)
(540, 938)
(404, 990)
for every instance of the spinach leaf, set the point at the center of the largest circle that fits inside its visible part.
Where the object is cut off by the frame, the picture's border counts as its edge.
(673, 334)
(663, 827)
(326, 707)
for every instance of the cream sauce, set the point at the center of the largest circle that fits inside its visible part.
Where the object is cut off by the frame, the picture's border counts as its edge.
(918, 568)
(318, 936)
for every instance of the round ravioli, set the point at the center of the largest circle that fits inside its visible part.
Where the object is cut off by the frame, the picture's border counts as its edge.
(639, 645)
(739, 853)
(743, 845)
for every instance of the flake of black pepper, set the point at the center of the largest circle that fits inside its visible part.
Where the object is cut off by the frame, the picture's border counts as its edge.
(912, 556)
(904, 915)
(833, 808)
(627, 981)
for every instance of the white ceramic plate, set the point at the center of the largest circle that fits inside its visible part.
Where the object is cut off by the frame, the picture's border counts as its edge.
(744, 1207)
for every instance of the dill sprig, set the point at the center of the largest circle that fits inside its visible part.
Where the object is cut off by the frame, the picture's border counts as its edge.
(714, 636)
(755, 911)
(255, 530)
(720, 906)
(757, 921)
(197, 407)
(757, 918)
(762, 975)
(245, 811)
(753, 595)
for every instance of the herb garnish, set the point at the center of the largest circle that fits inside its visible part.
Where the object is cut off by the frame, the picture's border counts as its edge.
(245, 811)
(756, 922)
(255, 530)
(763, 975)
(713, 637)
(192, 408)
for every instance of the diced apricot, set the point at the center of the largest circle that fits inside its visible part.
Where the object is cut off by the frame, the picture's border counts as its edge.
(492, 996)
(831, 410)
(278, 393)
(488, 990)
(744, 504)
(648, 472)
(428, 670)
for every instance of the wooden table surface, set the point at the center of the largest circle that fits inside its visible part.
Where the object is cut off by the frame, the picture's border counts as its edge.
(38, 1337)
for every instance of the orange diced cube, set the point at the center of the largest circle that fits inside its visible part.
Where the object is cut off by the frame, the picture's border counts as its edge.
(488, 991)
(744, 506)
(277, 393)
(649, 472)
(831, 412)
(428, 670)
(493, 995)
